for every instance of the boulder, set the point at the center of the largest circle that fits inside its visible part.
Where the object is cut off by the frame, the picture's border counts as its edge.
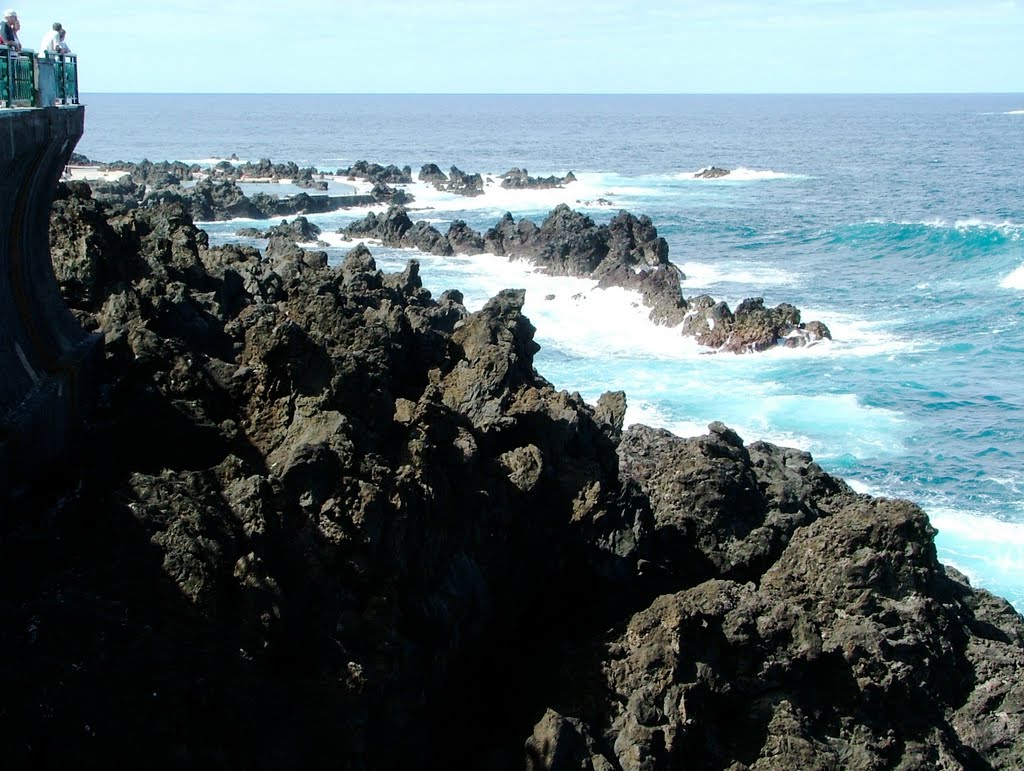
(711, 172)
(432, 174)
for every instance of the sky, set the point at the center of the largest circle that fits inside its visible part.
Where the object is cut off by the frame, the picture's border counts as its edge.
(539, 46)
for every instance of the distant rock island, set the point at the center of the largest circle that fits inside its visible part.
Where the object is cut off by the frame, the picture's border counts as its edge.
(324, 519)
(712, 172)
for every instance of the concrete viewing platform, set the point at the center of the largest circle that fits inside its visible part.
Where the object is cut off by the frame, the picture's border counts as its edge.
(47, 361)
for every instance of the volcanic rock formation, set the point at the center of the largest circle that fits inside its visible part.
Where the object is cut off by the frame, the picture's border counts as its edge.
(325, 520)
(627, 253)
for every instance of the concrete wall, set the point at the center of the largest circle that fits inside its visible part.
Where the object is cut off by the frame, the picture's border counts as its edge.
(47, 362)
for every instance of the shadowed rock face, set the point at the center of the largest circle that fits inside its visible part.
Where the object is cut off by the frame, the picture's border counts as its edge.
(327, 521)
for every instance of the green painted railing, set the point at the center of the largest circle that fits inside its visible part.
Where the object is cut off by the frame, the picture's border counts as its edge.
(66, 71)
(20, 74)
(17, 78)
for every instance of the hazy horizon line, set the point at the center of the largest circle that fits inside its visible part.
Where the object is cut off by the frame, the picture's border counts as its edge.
(553, 93)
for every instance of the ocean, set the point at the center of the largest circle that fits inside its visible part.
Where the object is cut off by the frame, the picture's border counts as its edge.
(896, 220)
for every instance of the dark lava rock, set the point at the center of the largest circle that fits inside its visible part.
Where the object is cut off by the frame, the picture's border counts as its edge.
(627, 253)
(299, 229)
(326, 521)
(374, 172)
(461, 183)
(154, 175)
(432, 174)
(518, 179)
(711, 172)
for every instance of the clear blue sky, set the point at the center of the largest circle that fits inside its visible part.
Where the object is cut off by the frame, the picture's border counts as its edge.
(540, 46)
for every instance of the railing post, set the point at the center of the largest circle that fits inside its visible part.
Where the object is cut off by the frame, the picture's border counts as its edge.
(6, 78)
(46, 81)
(73, 70)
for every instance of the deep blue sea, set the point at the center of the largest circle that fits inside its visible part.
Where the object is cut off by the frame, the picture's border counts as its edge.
(896, 220)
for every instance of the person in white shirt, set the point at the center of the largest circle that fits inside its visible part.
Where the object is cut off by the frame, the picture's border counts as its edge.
(52, 40)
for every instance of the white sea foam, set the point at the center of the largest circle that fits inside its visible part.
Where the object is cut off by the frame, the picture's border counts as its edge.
(964, 223)
(1015, 112)
(590, 190)
(608, 322)
(700, 275)
(340, 241)
(649, 413)
(805, 422)
(853, 336)
(584, 320)
(996, 544)
(213, 161)
(1006, 226)
(1014, 280)
(740, 174)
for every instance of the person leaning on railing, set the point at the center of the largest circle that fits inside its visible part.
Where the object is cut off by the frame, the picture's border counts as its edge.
(9, 30)
(53, 41)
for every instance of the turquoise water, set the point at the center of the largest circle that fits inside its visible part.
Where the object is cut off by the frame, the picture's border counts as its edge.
(897, 220)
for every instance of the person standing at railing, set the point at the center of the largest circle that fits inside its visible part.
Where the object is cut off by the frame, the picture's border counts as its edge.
(9, 30)
(63, 48)
(51, 40)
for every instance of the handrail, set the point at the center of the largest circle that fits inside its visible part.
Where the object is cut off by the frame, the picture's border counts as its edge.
(66, 70)
(21, 76)
(19, 82)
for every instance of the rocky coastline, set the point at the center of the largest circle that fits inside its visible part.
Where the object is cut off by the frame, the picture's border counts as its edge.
(323, 519)
(626, 253)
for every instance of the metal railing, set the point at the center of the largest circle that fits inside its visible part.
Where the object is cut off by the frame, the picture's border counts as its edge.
(65, 69)
(17, 78)
(20, 75)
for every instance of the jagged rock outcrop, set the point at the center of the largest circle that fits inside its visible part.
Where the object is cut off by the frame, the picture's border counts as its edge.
(384, 193)
(216, 195)
(266, 170)
(326, 521)
(211, 199)
(122, 194)
(154, 175)
(461, 183)
(350, 477)
(300, 230)
(753, 327)
(816, 629)
(518, 179)
(374, 172)
(570, 243)
(431, 174)
(712, 172)
(627, 253)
